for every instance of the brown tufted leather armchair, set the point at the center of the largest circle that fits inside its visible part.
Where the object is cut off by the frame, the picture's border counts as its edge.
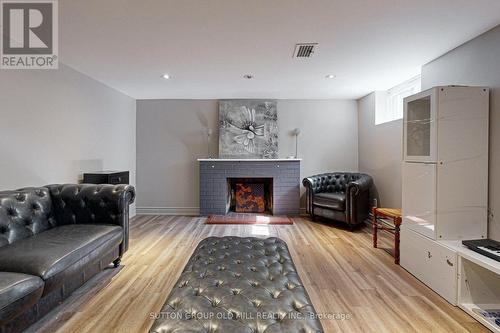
(340, 196)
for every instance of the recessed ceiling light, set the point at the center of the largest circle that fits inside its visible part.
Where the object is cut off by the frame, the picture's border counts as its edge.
(330, 76)
(166, 76)
(248, 76)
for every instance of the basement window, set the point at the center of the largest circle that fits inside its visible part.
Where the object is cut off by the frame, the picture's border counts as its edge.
(393, 108)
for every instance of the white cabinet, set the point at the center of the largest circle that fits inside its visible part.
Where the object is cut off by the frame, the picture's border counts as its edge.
(478, 284)
(479, 288)
(445, 183)
(431, 262)
(445, 124)
(445, 162)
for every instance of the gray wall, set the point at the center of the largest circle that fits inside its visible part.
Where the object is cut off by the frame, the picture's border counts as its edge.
(380, 150)
(56, 124)
(476, 63)
(170, 137)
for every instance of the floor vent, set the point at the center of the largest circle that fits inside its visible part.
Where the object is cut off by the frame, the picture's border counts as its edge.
(304, 50)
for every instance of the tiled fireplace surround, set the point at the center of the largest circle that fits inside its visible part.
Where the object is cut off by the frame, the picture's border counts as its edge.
(215, 172)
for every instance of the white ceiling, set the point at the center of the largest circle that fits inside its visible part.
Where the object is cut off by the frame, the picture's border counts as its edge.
(208, 45)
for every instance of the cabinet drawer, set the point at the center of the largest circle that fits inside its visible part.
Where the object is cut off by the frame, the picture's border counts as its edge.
(431, 262)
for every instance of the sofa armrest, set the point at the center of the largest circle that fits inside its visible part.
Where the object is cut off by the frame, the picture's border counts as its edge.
(310, 183)
(358, 199)
(89, 203)
(362, 184)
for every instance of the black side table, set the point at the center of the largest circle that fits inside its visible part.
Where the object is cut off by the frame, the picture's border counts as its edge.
(106, 177)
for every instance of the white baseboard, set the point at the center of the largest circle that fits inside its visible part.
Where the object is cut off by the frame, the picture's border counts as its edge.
(132, 211)
(189, 211)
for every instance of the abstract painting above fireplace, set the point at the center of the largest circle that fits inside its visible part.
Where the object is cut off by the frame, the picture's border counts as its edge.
(248, 129)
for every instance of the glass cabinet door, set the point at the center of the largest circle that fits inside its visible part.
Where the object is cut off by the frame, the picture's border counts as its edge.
(419, 124)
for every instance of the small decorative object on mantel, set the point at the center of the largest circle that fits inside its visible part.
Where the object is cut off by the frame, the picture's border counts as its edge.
(209, 137)
(248, 129)
(296, 132)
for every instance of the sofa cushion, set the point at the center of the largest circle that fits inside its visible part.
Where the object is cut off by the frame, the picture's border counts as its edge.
(18, 292)
(51, 252)
(24, 213)
(330, 200)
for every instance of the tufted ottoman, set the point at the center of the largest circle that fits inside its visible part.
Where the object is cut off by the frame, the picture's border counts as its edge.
(238, 285)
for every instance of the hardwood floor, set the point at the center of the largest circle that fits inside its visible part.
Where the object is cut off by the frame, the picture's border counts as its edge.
(340, 269)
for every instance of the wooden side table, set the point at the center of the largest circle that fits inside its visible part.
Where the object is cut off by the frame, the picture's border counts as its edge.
(390, 213)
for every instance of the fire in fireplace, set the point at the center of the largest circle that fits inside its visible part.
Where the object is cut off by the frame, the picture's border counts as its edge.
(250, 195)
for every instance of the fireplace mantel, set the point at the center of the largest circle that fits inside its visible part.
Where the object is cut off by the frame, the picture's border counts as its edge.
(214, 175)
(249, 159)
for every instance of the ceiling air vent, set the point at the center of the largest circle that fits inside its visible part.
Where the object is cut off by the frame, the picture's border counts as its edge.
(304, 50)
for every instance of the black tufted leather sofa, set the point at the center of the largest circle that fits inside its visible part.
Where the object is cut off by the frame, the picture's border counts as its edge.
(52, 240)
(238, 285)
(340, 196)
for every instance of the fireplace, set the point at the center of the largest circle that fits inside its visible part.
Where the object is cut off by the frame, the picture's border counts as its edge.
(281, 179)
(250, 195)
